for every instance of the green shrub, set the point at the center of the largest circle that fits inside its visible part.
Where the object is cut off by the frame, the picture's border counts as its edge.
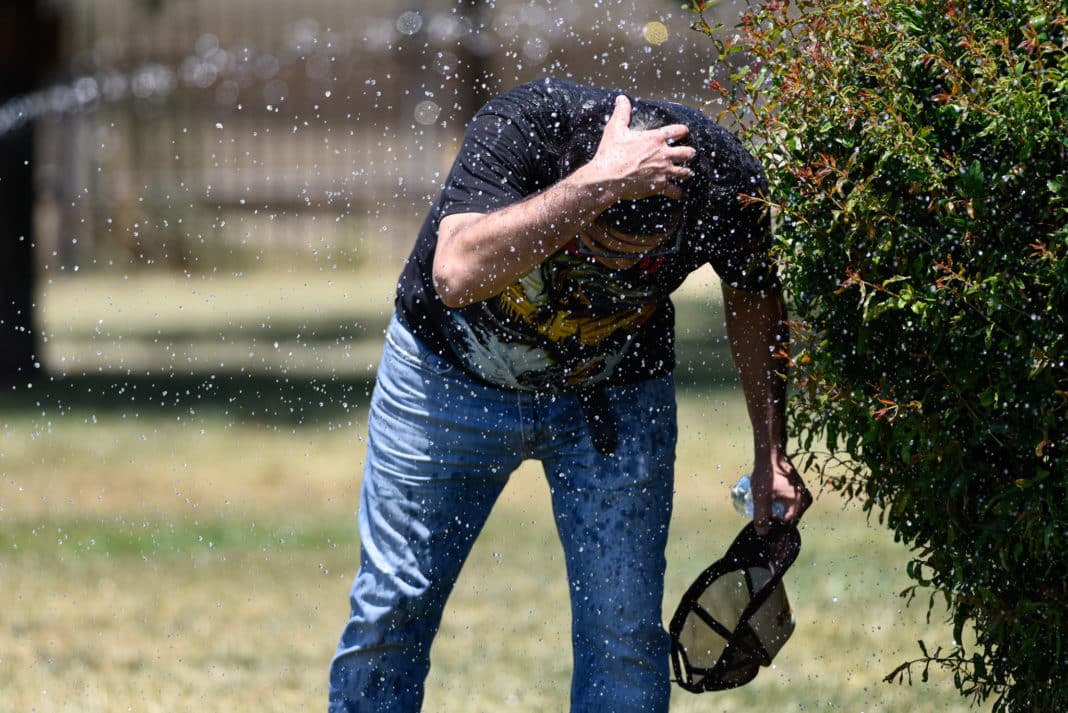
(916, 152)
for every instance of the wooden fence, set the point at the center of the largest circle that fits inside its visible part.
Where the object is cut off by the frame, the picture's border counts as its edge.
(215, 134)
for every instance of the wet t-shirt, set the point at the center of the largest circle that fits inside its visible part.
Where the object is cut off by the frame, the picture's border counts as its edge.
(572, 323)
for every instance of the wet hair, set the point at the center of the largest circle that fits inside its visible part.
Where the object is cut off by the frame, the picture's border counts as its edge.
(644, 216)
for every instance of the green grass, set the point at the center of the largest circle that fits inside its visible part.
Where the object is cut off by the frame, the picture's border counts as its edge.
(193, 551)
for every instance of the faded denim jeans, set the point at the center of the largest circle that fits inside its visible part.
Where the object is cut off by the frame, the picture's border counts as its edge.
(440, 449)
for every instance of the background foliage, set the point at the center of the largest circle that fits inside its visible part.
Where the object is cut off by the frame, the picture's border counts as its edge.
(917, 156)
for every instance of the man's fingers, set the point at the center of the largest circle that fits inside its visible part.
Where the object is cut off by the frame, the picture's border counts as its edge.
(800, 501)
(679, 154)
(674, 132)
(680, 173)
(620, 114)
(678, 157)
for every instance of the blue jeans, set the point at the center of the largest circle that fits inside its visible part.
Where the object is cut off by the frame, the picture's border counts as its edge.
(440, 449)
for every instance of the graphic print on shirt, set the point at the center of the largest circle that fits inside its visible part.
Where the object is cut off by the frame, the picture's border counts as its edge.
(567, 323)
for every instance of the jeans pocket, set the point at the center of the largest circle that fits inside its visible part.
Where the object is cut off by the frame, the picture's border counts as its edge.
(410, 350)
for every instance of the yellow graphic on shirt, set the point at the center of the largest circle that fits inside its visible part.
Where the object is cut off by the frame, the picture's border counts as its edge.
(570, 298)
(557, 325)
(569, 321)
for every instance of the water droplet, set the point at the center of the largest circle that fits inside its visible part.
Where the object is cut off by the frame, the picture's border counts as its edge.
(655, 32)
(427, 112)
(409, 23)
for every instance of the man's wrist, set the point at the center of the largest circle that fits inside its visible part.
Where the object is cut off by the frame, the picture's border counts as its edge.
(768, 453)
(596, 193)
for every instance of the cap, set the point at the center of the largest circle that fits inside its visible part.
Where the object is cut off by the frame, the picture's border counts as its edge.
(735, 617)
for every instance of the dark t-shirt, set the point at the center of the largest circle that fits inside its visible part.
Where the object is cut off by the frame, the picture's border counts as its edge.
(572, 322)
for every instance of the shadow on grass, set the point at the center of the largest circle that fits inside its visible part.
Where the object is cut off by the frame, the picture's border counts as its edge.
(291, 399)
(266, 330)
(255, 397)
(237, 397)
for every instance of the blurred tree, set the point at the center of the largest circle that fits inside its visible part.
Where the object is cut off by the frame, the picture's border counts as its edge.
(27, 53)
(477, 72)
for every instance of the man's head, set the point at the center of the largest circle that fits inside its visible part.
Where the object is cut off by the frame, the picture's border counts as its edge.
(656, 215)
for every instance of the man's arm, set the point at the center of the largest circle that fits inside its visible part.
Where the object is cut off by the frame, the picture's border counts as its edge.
(478, 255)
(759, 341)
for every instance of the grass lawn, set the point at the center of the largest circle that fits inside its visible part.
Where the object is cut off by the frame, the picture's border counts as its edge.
(179, 535)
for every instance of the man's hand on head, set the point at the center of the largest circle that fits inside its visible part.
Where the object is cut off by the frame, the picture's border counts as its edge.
(634, 164)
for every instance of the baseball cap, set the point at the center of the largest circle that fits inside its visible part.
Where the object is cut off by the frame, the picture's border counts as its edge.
(735, 617)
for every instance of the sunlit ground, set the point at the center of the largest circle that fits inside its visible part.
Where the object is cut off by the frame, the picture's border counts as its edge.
(166, 545)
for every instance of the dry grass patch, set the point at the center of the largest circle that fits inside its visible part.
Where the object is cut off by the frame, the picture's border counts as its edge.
(190, 556)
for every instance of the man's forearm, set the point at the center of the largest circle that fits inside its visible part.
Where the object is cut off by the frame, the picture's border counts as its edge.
(478, 255)
(759, 341)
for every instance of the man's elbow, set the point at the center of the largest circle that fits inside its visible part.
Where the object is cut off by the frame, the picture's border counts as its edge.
(451, 268)
(450, 287)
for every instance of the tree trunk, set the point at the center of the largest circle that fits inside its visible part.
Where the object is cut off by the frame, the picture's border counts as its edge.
(27, 53)
(476, 75)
